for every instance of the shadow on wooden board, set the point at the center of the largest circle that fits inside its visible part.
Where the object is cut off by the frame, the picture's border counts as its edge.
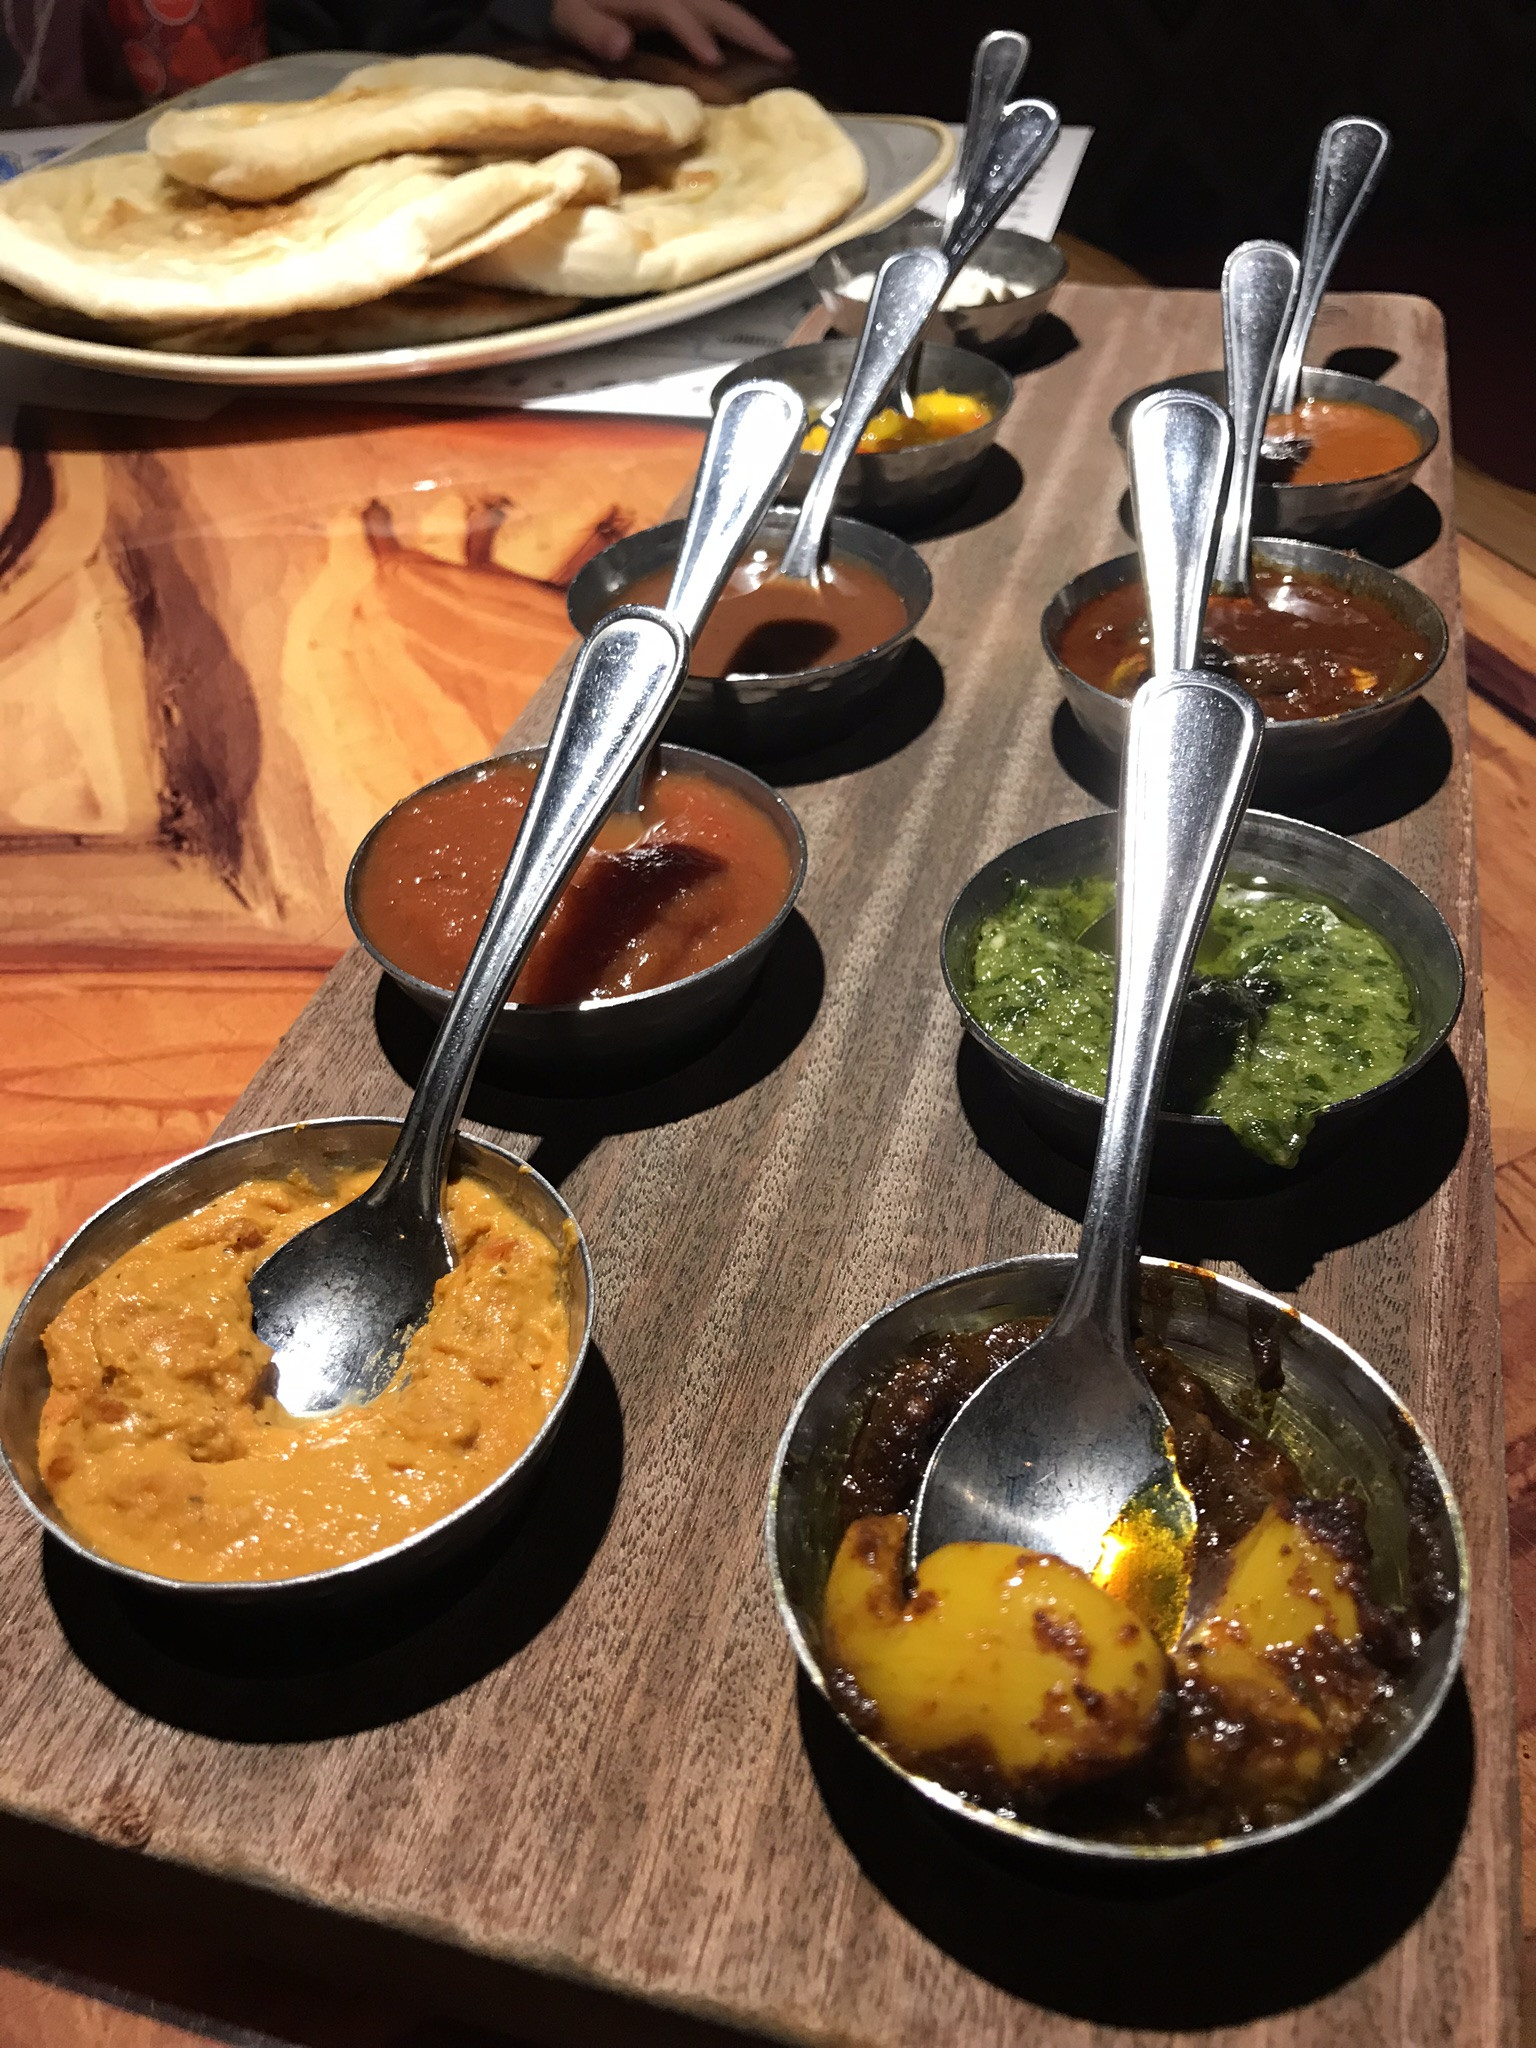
(571, 1113)
(1208, 1946)
(238, 1961)
(1277, 1233)
(1406, 770)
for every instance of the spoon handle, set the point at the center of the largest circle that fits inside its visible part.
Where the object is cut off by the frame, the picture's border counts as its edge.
(753, 441)
(1258, 295)
(626, 677)
(996, 69)
(1013, 153)
(754, 438)
(993, 172)
(1179, 446)
(1351, 157)
(1189, 765)
(909, 286)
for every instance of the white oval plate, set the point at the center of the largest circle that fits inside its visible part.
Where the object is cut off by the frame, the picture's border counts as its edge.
(904, 156)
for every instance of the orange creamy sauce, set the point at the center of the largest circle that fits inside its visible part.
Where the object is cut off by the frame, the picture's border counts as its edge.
(706, 873)
(1348, 441)
(164, 1450)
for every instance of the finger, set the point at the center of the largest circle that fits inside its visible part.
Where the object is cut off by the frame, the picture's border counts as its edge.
(593, 29)
(681, 20)
(743, 29)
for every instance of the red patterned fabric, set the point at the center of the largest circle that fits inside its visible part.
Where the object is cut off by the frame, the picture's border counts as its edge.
(170, 45)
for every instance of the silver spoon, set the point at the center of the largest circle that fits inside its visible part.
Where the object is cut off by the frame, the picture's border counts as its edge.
(1351, 156)
(1062, 1439)
(338, 1302)
(909, 286)
(749, 452)
(996, 69)
(1258, 296)
(1004, 161)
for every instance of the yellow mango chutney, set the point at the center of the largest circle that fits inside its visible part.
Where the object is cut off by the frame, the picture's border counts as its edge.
(163, 1446)
(936, 416)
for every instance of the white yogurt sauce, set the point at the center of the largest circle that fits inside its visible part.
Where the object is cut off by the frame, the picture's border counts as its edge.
(973, 287)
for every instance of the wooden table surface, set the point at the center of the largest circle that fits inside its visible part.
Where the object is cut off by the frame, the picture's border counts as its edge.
(717, 1862)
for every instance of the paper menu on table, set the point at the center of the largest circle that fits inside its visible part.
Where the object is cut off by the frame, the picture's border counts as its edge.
(1038, 208)
(23, 149)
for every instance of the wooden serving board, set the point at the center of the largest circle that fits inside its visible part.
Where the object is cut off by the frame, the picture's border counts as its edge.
(578, 1781)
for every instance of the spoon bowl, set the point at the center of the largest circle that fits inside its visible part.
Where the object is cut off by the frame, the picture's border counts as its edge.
(319, 1149)
(752, 717)
(1337, 1418)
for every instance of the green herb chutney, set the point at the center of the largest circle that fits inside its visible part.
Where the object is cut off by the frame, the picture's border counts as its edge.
(1294, 1005)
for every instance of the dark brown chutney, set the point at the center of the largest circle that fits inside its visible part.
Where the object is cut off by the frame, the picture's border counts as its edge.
(1302, 645)
(764, 624)
(1235, 1474)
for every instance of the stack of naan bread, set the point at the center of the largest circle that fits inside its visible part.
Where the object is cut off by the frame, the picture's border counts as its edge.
(425, 199)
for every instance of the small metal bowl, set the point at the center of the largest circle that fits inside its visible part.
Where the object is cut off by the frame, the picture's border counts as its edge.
(1298, 753)
(1337, 1418)
(1306, 511)
(320, 1148)
(1036, 267)
(615, 1035)
(1201, 1151)
(900, 486)
(756, 715)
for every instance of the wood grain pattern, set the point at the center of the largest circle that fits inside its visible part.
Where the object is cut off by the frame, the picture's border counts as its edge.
(610, 1784)
(226, 647)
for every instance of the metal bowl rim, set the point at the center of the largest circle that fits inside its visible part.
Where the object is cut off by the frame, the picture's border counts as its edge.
(1058, 266)
(1130, 1852)
(606, 1006)
(1011, 1062)
(337, 1574)
(1328, 721)
(801, 677)
(1426, 426)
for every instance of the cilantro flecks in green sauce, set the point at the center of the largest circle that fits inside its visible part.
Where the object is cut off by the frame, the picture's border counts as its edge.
(1293, 1005)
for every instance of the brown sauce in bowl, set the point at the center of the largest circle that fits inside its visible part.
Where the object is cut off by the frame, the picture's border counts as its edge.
(767, 625)
(1222, 1760)
(1347, 441)
(1302, 645)
(705, 875)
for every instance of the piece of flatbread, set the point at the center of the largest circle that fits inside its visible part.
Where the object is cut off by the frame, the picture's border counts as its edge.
(117, 238)
(478, 105)
(440, 309)
(762, 177)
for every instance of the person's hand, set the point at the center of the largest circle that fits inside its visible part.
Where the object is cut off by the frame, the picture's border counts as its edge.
(606, 28)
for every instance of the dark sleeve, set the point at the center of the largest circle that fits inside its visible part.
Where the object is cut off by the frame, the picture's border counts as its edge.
(525, 20)
(400, 25)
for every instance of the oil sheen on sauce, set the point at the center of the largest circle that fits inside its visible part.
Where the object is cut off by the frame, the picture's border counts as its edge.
(767, 625)
(1302, 645)
(1345, 440)
(704, 874)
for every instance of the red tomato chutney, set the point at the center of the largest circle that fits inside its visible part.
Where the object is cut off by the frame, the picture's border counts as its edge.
(690, 881)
